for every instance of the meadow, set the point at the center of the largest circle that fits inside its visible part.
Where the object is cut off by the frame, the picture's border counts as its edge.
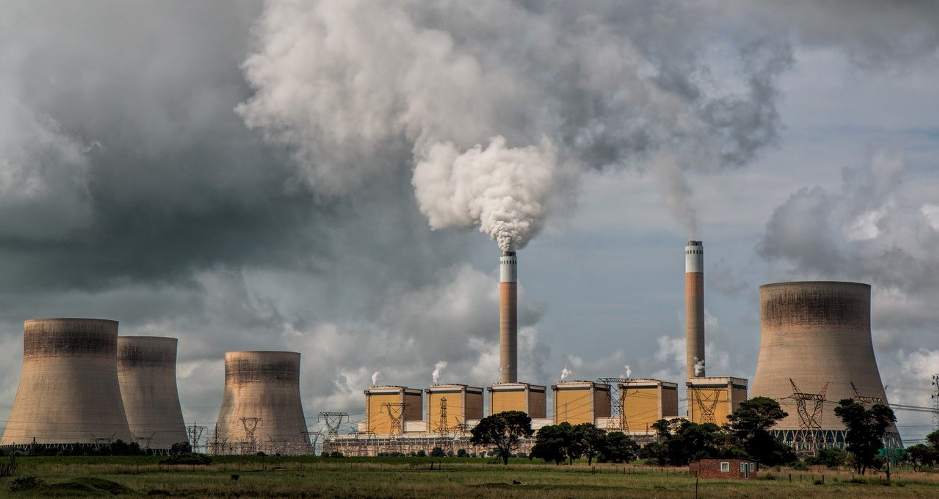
(453, 478)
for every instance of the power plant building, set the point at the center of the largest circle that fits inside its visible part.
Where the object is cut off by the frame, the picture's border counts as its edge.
(578, 402)
(68, 391)
(388, 409)
(146, 370)
(816, 350)
(646, 401)
(261, 408)
(530, 399)
(712, 399)
(450, 406)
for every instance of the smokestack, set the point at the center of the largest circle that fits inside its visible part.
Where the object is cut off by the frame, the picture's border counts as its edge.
(508, 316)
(261, 409)
(68, 391)
(694, 308)
(146, 369)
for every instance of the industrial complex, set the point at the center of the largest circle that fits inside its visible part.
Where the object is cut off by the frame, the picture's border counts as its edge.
(83, 385)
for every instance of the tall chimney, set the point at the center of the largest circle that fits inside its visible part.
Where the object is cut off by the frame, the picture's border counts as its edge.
(694, 308)
(508, 317)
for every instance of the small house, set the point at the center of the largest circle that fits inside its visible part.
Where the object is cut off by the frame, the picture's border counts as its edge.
(727, 468)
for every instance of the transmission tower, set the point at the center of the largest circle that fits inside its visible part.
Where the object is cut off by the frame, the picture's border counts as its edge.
(935, 401)
(864, 399)
(395, 412)
(443, 426)
(333, 421)
(706, 402)
(617, 402)
(810, 426)
(194, 432)
(249, 444)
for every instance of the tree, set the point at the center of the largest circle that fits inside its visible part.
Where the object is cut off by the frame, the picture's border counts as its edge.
(558, 443)
(832, 458)
(657, 451)
(618, 447)
(504, 431)
(590, 439)
(865, 430)
(921, 455)
(750, 425)
(437, 452)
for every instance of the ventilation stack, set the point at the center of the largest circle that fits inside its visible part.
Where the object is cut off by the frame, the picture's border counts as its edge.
(69, 391)
(816, 344)
(146, 369)
(508, 317)
(694, 308)
(261, 409)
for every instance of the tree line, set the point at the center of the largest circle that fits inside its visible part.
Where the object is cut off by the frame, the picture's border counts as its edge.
(678, 442)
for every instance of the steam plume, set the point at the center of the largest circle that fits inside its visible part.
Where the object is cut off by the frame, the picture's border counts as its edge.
(438, 369)
(498, 124)
(629, 372)
(565, 373)
(375, 377)
(698, 366)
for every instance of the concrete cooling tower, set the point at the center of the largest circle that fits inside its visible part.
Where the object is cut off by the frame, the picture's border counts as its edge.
(146, 369)
(816, 350)
(261, 409)
(68, 391)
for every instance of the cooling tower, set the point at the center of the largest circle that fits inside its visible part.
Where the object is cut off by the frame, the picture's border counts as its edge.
(818, 335)
(68, 391)
(508, 317)
(694, 308)
(146, 369)
(261, 409)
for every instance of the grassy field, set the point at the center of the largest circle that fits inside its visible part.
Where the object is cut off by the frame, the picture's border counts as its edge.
(414, 478)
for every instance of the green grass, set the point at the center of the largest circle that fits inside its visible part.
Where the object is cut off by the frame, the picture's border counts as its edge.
(452, 478)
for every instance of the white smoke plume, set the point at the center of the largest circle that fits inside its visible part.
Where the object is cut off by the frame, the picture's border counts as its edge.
(628, 373)
(495, 124)
(502, 190)
(698, 366)
(565, 373)
(438, 369)
(376, 376)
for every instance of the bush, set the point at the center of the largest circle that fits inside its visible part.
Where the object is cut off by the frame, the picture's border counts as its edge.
(437, 452)
(462, 453)
(336, 453)
(421, 453)
(800, 465)
(26, 483)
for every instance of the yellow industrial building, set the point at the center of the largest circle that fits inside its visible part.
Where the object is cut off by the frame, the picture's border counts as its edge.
(578, 402)
(646, 401)
(530, 399)
(712, 399)
(388, 409)
(450, 406)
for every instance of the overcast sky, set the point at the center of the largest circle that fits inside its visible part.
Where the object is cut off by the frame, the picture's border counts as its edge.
(328, 177)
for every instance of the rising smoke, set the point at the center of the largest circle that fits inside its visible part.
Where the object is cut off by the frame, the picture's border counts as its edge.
(500, 125)
(565, 373)
(376, 376)
(438, 370)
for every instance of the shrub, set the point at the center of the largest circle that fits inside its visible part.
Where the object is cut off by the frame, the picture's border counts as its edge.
(27, 482)
(437, 452)
(462, 453)
(421, 453)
